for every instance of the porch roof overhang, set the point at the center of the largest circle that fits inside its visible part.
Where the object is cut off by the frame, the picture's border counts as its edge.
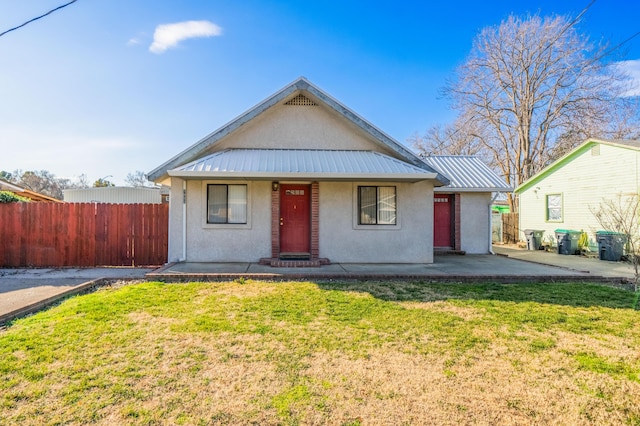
(298, 164)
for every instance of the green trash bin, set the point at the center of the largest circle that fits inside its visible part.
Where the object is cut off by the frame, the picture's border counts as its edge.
(567, 241)
(611, 245)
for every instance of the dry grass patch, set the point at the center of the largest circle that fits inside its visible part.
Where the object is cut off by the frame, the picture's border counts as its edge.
(326, 353)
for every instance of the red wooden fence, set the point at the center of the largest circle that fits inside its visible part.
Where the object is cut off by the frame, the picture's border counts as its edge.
(86, 234)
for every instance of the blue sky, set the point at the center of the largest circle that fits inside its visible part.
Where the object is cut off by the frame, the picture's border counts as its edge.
(84, 92)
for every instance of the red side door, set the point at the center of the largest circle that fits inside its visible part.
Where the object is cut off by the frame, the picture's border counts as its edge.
(295, 219)
(442, 206)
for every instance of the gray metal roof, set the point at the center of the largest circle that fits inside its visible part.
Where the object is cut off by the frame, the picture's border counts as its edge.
(467, 173)
(301, 163)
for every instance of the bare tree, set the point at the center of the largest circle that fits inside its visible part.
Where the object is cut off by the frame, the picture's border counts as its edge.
(103, 182)
(458, 138)
(43, 182)
(137, 179)
(533, 88)
(621, 215)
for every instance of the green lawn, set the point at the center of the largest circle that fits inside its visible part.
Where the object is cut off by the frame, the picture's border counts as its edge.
(366, 353)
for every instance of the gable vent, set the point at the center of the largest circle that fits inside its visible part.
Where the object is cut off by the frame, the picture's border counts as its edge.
(301, 100)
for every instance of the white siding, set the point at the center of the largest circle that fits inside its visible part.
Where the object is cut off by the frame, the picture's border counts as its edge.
(115, 194)
(584, 182)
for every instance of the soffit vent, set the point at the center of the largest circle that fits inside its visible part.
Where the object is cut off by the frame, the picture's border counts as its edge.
(300, 100)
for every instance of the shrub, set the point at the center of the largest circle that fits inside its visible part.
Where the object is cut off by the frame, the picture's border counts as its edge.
(10, 197)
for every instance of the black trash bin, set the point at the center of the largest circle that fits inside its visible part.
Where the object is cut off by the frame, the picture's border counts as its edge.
(611, 245)
(567, 241)
(534, 238)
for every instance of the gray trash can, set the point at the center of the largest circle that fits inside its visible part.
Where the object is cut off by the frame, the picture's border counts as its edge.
(567, 241)
(611, 245)
(534, 238)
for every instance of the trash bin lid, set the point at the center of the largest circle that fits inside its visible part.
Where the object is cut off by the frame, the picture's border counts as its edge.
(567, 231)
(609, 233)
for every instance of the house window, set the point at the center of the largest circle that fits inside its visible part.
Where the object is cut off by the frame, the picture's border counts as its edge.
(376, 205)
(554, 208)
(227, 204)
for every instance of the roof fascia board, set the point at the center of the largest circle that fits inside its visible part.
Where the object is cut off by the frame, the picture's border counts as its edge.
(568, 157)
(373, 131)
(316, 176)
(559, 163)
(9, 186)
(445, 189)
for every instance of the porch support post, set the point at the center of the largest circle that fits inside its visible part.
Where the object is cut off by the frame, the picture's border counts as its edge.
(456, 221)
(275, 224)
(315, 221)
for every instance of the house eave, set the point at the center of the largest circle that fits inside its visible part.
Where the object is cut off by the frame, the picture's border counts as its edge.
(447, 189)
(277, 176)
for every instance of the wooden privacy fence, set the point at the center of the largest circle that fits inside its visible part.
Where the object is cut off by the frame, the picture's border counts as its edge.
(510, 228)
(86, 234)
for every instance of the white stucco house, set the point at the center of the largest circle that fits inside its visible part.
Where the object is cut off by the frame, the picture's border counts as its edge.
(565, 193)
(302, 177)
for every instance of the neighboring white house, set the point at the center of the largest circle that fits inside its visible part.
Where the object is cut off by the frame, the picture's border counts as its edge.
(300, 176)
(564, 194)
(116, 195)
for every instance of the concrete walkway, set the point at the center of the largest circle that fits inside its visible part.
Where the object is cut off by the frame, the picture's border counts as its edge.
(512, 265)
(27, 290)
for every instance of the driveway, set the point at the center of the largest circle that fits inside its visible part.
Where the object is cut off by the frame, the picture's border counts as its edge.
(590, 265)
(21, 289)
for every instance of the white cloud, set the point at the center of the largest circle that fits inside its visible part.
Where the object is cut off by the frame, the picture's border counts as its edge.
(632, 68)
(168, 36)
(133, 41)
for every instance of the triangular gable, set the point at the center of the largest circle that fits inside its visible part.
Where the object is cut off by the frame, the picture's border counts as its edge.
(571, 155)
(301, 86)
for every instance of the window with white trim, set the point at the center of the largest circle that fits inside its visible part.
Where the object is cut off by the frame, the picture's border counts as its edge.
(226, 204)
(554, 207)
(377, 205)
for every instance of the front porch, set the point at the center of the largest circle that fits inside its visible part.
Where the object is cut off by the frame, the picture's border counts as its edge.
(469, 268)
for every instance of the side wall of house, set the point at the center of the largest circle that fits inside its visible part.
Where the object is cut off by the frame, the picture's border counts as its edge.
(584, 183)
(474, 222)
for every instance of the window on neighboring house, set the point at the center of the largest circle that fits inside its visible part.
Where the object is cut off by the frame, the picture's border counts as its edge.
(227, 203)
(377, 205)
(554, 208)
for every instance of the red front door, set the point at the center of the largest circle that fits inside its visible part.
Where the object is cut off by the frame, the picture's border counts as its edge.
(442, 205)
(295, 219)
